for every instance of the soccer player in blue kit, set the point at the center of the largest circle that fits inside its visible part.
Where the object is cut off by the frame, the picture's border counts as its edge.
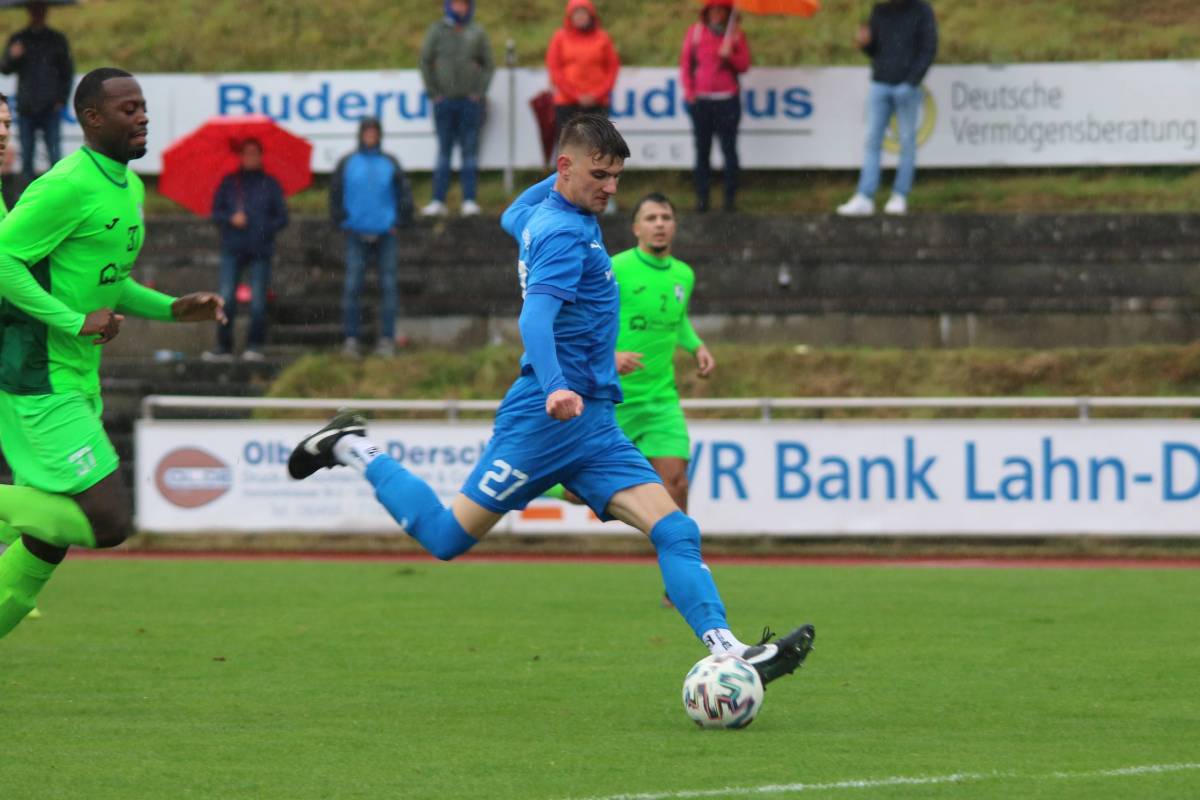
(556, 424)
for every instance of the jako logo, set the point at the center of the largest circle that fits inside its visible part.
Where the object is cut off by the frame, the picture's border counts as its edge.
(189, 477)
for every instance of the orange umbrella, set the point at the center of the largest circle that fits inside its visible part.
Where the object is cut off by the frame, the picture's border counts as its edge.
(791, 8)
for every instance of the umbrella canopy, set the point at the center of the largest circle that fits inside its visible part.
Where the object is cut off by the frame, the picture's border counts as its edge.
(23, 3)
(791, 8)
(194, 165)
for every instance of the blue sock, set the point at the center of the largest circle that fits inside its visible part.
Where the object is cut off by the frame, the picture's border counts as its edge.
(420, 513)
(689, 583)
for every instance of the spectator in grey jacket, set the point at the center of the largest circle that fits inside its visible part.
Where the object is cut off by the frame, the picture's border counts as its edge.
(901, 39)
(41, 58)
(369, 199)
(457, 67)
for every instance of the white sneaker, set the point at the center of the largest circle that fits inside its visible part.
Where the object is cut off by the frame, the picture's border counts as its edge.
(216, 357)
(896, 204)
(436, 208)
(350, 348)
(470, 208)
(858, 206)
(253, 355)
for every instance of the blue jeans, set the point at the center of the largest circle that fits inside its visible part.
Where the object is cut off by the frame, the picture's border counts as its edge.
(232, 265)
(358, 248)
(903, 101)
(457, 121)
(50, 124)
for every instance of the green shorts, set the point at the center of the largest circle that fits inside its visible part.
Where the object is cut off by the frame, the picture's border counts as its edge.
(659, 430)
(56, 442)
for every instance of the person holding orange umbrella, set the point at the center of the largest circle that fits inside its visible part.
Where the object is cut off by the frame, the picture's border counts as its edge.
(714, 56)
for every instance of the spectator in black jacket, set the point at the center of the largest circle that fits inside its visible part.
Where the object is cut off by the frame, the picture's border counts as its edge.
(250, 211)
(369, 198)
(41, 58)
(901, 39)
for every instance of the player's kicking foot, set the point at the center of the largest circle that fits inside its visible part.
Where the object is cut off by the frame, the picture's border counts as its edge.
(783, 656)
(315, 451)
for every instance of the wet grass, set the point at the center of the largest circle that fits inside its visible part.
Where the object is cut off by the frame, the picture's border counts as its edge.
(386, 34)
(792, 371)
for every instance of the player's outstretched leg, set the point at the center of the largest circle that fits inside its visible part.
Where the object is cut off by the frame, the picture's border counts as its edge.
(50, 523)
(410, 501)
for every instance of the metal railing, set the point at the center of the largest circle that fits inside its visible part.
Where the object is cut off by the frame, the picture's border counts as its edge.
(766, 406)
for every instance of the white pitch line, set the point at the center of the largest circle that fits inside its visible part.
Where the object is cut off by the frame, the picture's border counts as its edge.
(879, 783)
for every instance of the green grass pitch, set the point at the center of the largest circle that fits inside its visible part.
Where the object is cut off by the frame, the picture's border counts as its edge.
(546, 681)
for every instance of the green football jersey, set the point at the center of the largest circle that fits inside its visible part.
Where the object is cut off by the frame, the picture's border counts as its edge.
(66, 249)
(654, 302)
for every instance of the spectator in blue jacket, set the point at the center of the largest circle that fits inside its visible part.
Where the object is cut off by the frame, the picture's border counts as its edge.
(369, 198)
(250, 211)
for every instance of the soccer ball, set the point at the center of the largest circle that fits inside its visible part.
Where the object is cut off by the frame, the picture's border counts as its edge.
(722, 692)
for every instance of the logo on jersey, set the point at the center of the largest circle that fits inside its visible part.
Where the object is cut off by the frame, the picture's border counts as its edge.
(112, 224)
(526, 238)
(189, 477)
(596, 245)
(108, 275)
(678, 293)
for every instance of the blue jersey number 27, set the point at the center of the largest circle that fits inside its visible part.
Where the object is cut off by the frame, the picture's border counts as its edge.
(502, 480)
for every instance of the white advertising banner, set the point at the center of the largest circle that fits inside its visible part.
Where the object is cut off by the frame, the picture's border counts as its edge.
(1020, 115)
(1129, 478)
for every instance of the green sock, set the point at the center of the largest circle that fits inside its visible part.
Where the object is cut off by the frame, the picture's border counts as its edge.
(22, 576)
(54, 518)
(557, 492)
(8, 534)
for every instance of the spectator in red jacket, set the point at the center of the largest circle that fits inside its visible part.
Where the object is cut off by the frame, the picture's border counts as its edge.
(713, 57)
(583, 64)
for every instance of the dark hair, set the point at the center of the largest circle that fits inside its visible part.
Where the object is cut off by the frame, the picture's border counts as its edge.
(653, 197)
(90, 91)
(595, 134)
(3, 98)
(249, 140)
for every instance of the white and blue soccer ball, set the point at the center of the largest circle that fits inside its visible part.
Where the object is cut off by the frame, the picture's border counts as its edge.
(722, 692)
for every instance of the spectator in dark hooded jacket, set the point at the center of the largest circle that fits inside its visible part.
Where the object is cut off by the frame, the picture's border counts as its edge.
(369, 198)
(902, 40)
(41, 58)
(250, 211)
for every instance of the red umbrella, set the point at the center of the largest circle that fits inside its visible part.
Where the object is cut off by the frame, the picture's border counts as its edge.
(543, 111)
(194, 165)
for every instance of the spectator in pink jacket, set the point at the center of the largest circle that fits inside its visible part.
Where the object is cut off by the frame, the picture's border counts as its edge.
(714, 56)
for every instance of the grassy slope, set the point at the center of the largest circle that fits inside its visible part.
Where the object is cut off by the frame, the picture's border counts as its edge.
(750, 371)
(374, 34)
(306, 680)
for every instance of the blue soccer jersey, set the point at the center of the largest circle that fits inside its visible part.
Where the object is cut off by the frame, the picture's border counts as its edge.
(563, 255)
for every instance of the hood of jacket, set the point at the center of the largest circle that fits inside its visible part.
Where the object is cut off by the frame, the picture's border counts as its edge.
(454, 18)
(586, 5)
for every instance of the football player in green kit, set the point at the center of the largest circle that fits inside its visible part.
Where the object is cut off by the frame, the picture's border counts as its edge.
(655, 290)
(66, 252)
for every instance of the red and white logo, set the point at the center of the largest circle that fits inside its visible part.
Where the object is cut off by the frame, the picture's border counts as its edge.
(189, 477)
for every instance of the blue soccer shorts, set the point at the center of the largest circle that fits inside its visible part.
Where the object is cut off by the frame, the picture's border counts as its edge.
(530, 451)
